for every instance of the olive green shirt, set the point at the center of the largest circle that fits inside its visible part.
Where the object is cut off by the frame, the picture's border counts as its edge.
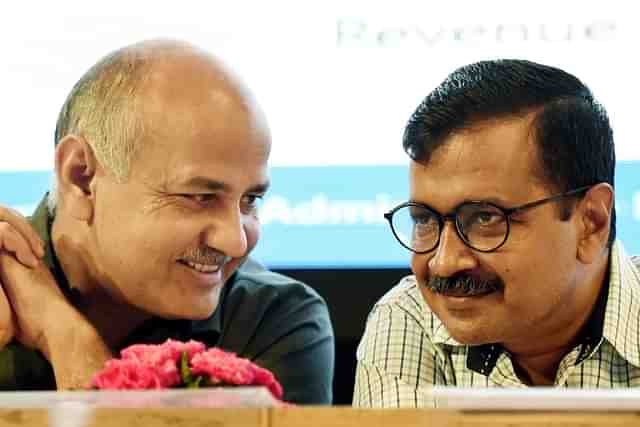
(277, 322)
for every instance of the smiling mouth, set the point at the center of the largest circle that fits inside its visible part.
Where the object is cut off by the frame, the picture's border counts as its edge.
(201, 268)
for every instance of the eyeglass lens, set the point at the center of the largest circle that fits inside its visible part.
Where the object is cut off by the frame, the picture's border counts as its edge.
(482, 226)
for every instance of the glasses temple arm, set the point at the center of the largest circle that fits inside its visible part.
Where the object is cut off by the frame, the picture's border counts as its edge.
(511, 211)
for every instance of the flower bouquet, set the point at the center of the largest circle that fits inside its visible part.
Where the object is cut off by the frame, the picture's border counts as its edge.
(176, 364)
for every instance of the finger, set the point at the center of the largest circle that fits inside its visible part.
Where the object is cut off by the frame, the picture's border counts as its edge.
(11, 241)
(18, 221)
(7, 328)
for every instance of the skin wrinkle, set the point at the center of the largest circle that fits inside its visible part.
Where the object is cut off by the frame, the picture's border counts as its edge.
(188, 101)
(482, 139)
(526, 301)
(118, 240)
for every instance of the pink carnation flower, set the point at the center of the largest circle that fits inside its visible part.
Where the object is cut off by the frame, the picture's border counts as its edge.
(159, 354)
(144, 366)
(131, 375)
(226, 368)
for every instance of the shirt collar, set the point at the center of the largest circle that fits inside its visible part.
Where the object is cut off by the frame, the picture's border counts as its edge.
(620, 327)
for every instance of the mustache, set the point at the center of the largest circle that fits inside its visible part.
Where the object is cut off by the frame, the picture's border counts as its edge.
(205, 255)
(464, 284)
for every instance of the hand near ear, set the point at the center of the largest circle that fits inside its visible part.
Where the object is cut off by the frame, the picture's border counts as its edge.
(18, 238)
(34, 310)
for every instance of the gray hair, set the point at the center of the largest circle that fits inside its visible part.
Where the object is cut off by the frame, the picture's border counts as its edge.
(103, 107)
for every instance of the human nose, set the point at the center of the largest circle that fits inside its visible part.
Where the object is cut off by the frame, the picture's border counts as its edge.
(451, 255)
(227, 234)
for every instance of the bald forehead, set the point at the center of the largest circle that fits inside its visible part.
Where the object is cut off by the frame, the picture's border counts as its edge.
(184, 71)
(182, 80)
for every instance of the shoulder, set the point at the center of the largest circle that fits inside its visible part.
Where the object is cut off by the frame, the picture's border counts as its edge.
(397, 310)
(404, 299)
(399, 333)
(404, 305)
(252, 281)
(283, 325)
(623, 264)
(273, 302)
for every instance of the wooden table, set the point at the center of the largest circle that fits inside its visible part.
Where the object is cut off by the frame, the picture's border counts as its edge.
(316, 416)
(255, 408)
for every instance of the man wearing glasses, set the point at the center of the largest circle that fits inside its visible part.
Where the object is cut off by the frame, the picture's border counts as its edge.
(518, 278)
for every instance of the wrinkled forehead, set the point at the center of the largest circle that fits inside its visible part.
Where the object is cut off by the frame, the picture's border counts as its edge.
(492, 160)
(195, 112)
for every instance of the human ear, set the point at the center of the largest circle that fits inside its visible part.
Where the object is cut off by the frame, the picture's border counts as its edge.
(594, 211)
(75, 166)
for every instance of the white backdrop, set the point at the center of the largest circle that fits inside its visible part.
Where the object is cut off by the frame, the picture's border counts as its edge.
(338, 80)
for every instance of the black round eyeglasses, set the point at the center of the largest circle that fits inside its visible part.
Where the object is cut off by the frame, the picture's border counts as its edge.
(482, 226)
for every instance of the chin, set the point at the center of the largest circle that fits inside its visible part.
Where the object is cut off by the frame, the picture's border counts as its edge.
(470, 334)
(470, 339)
(187, 311)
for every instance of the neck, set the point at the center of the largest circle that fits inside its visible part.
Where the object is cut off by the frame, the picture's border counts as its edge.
(114, 320)
(541, 368)
(536, 359)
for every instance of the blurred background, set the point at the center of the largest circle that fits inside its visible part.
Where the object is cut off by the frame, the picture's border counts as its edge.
(338, 81)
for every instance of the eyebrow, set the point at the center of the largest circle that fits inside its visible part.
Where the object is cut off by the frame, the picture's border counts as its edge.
(215, 185)
(493, 200)
(260, 188)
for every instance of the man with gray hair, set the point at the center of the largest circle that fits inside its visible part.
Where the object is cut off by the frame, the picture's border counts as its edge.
(160, 165)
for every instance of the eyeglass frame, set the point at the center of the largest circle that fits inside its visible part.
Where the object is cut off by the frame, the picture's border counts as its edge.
(453, 217)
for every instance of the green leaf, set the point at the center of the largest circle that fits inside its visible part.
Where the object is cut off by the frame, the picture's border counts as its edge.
(195, 383)
(185, 371)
